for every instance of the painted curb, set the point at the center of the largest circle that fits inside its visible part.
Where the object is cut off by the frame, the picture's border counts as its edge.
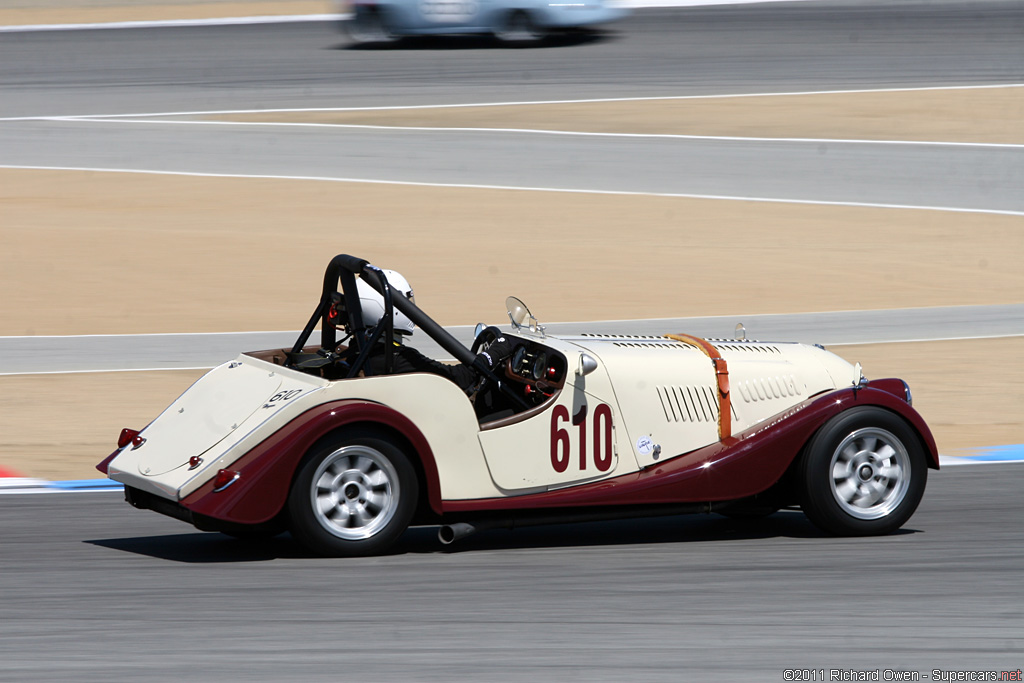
(16, 484)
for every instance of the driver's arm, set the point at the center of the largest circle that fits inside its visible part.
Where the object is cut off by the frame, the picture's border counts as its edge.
(408, 359)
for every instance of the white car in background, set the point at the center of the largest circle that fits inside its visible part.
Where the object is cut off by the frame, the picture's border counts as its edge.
(512, 21)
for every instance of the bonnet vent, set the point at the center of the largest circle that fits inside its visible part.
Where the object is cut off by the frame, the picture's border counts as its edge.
(739, 346)
(689, 404)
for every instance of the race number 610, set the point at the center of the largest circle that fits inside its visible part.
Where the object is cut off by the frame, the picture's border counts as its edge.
(561, 438)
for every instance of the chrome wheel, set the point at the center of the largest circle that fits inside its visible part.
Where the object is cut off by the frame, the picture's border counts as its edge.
(863, 473)
(870, 473)
(355, 492)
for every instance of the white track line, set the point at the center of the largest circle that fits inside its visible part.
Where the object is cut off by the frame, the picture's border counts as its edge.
(524, 103)
(519, 188)
(928, 339)
(208, 367)
(546, 131)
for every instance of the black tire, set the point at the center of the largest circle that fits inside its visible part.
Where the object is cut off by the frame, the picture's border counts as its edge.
(368, 27)
(517, 30)
(354, 494)
(863, 473)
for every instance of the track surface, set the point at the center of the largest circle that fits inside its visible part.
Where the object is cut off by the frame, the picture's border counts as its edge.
(739, 49)
(776, 47)
(95, 591)
(92, 589)
(175, 351)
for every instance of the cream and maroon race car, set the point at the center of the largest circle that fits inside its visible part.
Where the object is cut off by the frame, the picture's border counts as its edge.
(586, 427)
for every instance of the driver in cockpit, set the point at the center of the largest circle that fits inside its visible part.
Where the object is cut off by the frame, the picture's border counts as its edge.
(408, 359)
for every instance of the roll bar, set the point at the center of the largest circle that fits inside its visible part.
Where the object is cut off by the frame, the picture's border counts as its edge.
(344, 267)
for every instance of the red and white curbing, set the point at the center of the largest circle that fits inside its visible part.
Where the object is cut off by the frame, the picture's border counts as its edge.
(13, 482)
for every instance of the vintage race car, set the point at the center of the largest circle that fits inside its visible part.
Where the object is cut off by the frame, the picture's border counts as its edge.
(512, 21)
(586, 427)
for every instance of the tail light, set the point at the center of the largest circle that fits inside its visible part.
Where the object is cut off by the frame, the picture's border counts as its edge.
(224, 479)
(127, 437)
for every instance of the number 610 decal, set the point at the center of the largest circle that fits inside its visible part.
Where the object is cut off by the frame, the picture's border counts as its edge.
(561, 442)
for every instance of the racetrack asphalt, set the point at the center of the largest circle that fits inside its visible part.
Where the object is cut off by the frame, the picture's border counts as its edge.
(96, 353)
(96, 591)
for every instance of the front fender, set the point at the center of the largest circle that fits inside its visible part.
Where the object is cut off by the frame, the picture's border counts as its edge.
(266, 472)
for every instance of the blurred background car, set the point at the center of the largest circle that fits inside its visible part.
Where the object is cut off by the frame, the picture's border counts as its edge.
(515, 22)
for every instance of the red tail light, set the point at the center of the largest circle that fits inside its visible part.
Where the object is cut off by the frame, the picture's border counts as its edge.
(127, 436)
(224, 479)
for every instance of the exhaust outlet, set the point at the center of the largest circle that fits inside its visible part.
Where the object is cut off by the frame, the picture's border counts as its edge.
(449, 533)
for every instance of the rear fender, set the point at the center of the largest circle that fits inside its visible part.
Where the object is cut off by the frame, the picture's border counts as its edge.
(266, 472)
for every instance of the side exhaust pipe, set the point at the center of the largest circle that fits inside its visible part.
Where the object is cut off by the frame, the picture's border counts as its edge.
(449, 533)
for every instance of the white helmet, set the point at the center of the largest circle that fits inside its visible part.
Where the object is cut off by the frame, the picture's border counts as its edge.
(372, 302)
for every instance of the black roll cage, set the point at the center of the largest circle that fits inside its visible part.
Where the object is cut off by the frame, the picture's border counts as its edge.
(345, 268)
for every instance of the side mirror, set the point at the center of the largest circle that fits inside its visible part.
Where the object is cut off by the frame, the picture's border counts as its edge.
(587, 365)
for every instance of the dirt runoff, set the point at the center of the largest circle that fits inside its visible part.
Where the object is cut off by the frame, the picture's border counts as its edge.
(966, 401)
(976, 115)
(107, 253)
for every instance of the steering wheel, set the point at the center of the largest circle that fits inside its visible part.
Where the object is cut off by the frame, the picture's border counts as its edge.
(485, 338)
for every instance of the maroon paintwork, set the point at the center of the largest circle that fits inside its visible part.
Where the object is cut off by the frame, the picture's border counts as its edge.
(267, 470)
(740, 466)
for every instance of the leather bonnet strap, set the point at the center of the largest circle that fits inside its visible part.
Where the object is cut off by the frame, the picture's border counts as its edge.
(722, 373)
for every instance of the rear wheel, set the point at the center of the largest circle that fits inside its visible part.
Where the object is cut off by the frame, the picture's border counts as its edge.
(517, 29)
(863, 473)
(354, 495)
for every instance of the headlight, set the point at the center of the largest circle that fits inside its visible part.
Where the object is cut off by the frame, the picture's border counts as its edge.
(907, 394)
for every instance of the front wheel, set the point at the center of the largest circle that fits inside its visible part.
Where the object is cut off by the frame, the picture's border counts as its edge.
(354, 495)
(863, 473)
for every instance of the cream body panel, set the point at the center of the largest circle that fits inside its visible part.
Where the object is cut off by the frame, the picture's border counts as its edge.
(641, 371)
(668, 390)
(168, 438)
(443, 413)
(520, 456)
(526, 457)
(434, 404)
